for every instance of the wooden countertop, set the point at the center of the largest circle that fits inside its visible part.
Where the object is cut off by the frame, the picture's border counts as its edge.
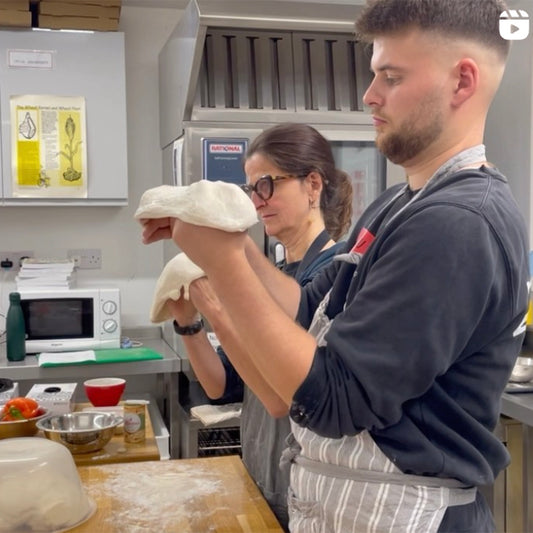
(116, 450)
(214, 494)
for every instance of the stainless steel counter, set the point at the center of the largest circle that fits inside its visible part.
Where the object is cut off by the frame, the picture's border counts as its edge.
(158, 377)
(518, 406)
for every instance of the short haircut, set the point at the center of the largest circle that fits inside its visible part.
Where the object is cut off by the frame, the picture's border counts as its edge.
(475, 20)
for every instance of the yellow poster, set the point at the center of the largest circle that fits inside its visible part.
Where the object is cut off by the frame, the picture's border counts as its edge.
(48, 146)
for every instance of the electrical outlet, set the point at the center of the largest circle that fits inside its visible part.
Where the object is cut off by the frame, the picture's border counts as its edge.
(13, 260)
(86, 258)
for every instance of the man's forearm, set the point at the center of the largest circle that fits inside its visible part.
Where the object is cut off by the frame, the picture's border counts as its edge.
(280, 349)
(244, 365)
(283, 289)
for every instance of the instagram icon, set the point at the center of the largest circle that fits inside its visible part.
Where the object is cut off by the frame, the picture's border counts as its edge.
(514, 24)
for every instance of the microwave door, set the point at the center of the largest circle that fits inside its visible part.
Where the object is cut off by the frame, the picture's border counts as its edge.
(71, 320)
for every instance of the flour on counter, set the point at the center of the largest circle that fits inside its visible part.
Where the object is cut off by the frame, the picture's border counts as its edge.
(143, 499)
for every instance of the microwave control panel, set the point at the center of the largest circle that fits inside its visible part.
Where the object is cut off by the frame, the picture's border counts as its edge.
(110, 313)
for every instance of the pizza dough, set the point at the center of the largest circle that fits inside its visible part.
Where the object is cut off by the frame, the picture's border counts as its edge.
(178, 273)
(215, 204)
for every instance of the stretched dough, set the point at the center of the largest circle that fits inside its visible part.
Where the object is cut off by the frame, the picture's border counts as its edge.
(215, 204)
(179, 272)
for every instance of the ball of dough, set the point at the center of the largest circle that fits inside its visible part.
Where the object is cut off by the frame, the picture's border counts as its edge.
(215, 204)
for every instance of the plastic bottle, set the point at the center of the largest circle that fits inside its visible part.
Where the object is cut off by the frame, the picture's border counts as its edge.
(15, 329)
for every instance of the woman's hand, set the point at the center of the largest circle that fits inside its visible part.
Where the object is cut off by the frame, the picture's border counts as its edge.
(156, 229)
(205, 299)
(183, 311)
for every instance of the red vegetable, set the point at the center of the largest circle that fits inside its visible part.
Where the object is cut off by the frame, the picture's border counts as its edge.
(19, 409)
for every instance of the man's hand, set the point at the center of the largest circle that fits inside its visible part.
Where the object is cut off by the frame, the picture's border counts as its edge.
(207, 247)
(156, 229)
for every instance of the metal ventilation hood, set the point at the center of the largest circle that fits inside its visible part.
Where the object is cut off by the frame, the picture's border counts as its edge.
(244, 61)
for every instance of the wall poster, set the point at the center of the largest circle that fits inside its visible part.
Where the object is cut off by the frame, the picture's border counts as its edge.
(48, 146)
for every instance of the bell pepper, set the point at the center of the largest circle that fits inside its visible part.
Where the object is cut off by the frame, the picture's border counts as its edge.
(19, 409)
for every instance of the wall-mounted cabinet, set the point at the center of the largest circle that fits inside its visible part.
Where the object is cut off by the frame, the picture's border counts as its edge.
(50, 155)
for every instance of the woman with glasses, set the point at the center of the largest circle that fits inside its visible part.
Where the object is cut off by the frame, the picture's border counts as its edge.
(305, 202)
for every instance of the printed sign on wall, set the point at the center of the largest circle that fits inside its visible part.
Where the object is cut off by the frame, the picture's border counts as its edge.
(48, 146)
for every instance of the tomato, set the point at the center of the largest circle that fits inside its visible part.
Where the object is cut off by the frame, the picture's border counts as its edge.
(19, 409)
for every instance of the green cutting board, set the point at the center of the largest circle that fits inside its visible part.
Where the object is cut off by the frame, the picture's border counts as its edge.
(117, 355)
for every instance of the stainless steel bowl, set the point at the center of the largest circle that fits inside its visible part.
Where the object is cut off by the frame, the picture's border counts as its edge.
(83, 432)
(523, 370)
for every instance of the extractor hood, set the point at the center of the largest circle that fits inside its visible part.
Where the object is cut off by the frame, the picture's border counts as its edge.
(250, 61)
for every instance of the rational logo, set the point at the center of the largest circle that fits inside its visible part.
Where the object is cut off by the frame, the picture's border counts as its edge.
(514, 24)
(225, 148)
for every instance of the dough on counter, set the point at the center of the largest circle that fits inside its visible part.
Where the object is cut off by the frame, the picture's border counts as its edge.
(39, 486)
(215, 204)
(44, 502)
(178, 273)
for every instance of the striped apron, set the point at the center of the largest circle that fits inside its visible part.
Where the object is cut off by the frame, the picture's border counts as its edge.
(348, 485)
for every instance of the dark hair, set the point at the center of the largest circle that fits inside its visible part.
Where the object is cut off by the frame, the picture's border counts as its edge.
(300, 149)
(470, 19)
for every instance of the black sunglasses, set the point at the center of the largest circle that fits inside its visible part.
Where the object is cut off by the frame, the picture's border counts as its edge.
(264, 186)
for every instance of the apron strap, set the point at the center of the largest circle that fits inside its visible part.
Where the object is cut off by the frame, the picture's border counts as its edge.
(320, 240)
(459, 493)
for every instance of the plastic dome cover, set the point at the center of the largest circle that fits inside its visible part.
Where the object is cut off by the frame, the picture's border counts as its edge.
(40, 487)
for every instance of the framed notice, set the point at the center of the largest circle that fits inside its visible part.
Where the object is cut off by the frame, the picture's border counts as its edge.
(48, 146)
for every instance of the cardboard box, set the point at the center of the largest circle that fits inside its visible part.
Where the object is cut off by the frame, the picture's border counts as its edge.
(77, 23)
(78, 10)
(58, 397)
(14, 18)
(106, 3)
(16, 5)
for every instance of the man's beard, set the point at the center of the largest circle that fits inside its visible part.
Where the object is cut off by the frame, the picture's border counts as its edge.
(414, 135)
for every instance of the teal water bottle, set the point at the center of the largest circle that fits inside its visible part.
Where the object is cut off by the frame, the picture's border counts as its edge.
(15, 329)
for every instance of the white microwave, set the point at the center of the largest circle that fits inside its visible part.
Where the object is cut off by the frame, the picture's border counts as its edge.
(71, 319)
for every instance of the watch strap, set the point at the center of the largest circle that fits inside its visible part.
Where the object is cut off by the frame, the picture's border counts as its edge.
(191, 329)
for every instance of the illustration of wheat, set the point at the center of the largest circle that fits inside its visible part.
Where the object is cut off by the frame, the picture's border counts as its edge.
(71, 174)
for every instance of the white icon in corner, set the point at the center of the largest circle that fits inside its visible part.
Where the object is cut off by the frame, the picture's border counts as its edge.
(514, 24)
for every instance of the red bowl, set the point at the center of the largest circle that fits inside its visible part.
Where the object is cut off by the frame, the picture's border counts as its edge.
(103, 392)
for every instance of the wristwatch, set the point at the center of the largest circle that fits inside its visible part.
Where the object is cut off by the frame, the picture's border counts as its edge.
(191, 329)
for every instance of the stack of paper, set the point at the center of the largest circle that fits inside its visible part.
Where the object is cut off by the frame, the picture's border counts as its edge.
(37, 274)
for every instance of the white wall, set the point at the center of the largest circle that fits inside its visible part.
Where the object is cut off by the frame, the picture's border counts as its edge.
(51, 231)
(509, 132)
